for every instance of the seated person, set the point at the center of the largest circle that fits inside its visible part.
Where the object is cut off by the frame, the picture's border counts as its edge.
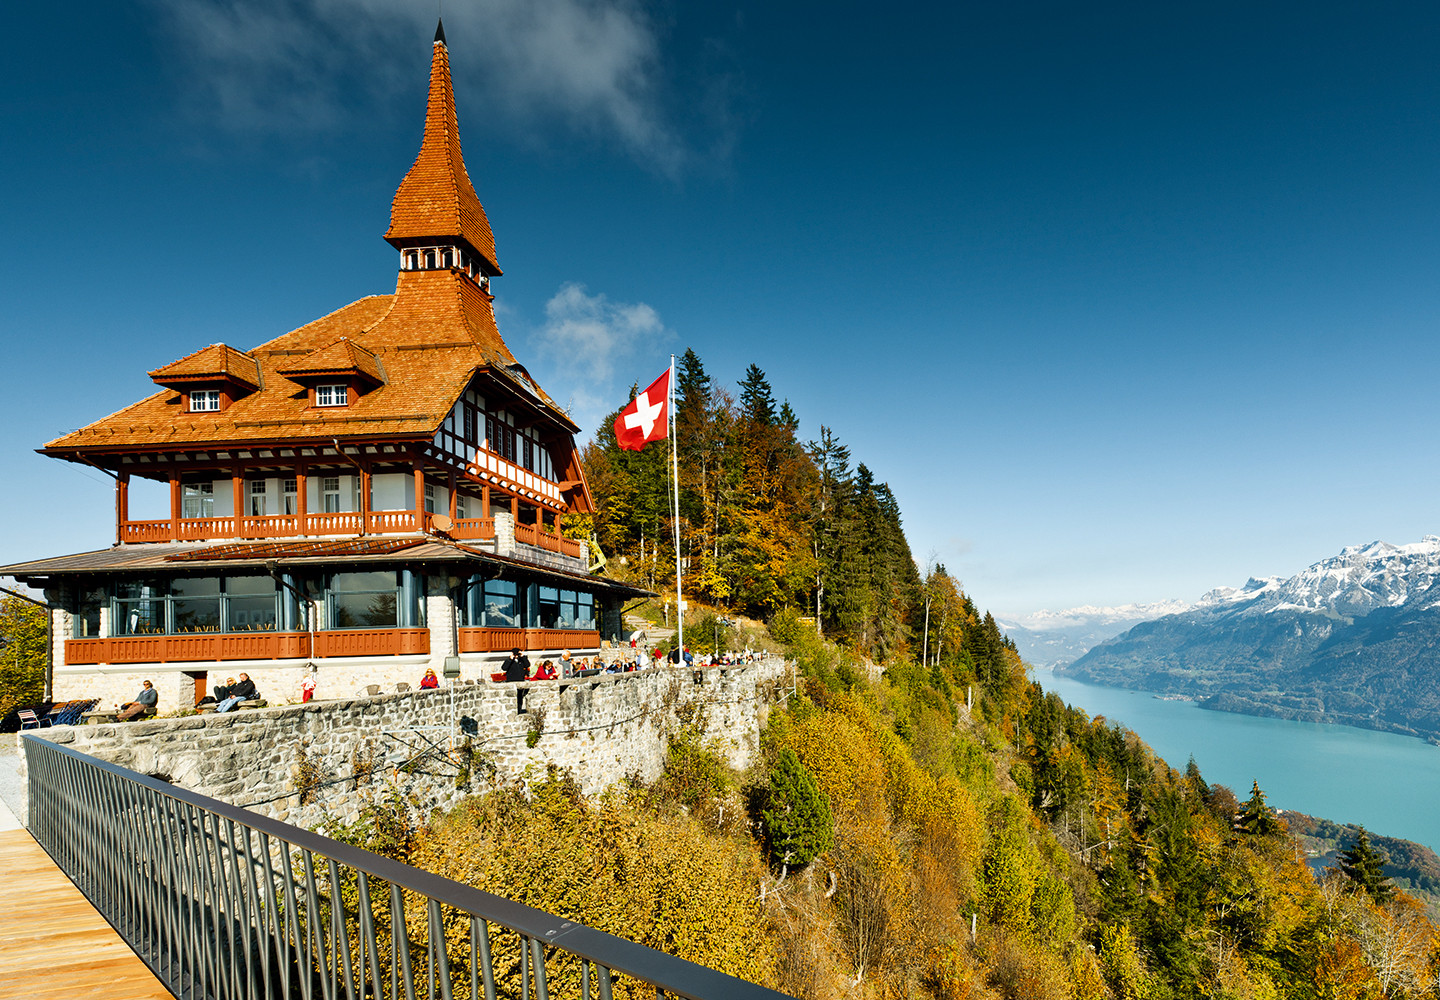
(147, 699)
(243, 690)
(429, 680)
(222, 691)
(546, 672)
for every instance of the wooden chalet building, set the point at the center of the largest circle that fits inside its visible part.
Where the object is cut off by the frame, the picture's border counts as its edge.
(374, 493)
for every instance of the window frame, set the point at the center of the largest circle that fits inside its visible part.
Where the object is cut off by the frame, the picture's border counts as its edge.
(326, 395)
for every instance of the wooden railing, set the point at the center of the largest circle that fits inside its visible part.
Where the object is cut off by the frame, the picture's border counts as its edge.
(145, 531)
(530, 534)
(192, 648)
(473, 527)
(499, 640)
(377, 522)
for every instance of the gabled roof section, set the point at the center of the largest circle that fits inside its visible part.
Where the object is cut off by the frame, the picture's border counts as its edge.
(343, 357)
(216, 363)
(436, 203)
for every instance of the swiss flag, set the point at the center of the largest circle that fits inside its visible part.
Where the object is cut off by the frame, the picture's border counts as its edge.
(647, 416)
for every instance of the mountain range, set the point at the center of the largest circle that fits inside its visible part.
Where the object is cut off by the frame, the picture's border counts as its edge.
(1353, 639)
(1051, 638)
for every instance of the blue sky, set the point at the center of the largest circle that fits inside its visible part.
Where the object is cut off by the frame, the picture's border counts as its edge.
(1125, 302)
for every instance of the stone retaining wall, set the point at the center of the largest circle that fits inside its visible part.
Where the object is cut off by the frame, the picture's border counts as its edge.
(304, 763)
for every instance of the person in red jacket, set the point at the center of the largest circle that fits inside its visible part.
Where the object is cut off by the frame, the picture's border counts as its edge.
(429, 680)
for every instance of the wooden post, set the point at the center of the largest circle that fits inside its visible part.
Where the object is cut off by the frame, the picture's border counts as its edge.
(419, 494)
(174, 507)
(122, 504)
(453, 504)
(237, 493)
(365, 498)
(484, 501)
(302, 502)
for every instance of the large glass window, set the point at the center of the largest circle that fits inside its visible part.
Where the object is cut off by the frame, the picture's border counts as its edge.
(195, 604)
(330, 494)
(257, 498)
(139, 608)
(381, 599)
(197, 500)
(503, 605)
(87, 617)
(290, 495)
(250, 603)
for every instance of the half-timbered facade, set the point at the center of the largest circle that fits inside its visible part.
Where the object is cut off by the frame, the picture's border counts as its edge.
(373, 493)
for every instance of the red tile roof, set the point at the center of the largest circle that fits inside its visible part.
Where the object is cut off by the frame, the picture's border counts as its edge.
(217, 362)
(421, 346)
(344, 357)
(436, 203)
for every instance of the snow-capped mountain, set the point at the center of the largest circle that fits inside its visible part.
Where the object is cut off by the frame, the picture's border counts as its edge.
(1354, 638)
(1352, 584)
(1050, 638)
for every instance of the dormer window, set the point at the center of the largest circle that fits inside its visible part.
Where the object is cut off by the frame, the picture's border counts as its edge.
(332, 395)
(204, 400)
(412, 260)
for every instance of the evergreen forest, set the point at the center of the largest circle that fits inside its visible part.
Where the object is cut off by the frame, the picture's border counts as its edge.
(921, 820)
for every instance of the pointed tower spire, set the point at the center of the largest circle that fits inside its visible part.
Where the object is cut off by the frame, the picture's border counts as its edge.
(436, 204)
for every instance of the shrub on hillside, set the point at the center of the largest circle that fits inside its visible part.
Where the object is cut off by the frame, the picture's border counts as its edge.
(796, 820)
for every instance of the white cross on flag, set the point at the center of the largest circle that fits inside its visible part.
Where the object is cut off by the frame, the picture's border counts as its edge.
(646, 418)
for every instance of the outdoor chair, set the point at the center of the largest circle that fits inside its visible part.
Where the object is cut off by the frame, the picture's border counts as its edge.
(401, 688)
(73, 710)
(29, 720)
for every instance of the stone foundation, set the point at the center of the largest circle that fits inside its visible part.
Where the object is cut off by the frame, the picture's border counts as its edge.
(305, 763)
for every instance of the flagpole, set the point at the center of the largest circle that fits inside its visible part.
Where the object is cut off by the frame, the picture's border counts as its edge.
(675, 479)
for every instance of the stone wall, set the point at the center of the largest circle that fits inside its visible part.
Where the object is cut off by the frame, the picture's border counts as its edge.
(304, 763)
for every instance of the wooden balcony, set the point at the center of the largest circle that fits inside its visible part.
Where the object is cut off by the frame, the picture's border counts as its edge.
(379, 522)
(502, 640)
(212, 646)
(529, 534)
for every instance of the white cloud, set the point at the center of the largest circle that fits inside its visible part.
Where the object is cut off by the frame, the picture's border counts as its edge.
(593, 349)
(591, 66)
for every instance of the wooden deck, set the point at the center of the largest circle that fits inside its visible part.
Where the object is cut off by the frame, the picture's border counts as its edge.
(53, 943)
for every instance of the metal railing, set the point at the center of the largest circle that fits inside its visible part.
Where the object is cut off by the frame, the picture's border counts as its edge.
(223, 903)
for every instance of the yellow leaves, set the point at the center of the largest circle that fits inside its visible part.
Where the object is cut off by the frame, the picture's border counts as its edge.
(1120, 960)
(660, 881)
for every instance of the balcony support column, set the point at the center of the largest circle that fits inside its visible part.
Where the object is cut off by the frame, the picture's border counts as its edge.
(453, 504)
(419, 494)
(366, 500)
(302, 502)
(122, 504)
(174, 505)
(237, 504)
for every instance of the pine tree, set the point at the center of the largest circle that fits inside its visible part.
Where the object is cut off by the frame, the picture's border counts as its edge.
(757, 401)
(1364, 866)
(796, 819)
(1256, 818)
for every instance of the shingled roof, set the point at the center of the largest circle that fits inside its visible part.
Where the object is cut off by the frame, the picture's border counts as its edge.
(420, 347)
(436, 198)
(343, 357)
(216, 363)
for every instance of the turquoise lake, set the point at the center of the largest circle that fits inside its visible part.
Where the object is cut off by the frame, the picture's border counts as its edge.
(1389, 783)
